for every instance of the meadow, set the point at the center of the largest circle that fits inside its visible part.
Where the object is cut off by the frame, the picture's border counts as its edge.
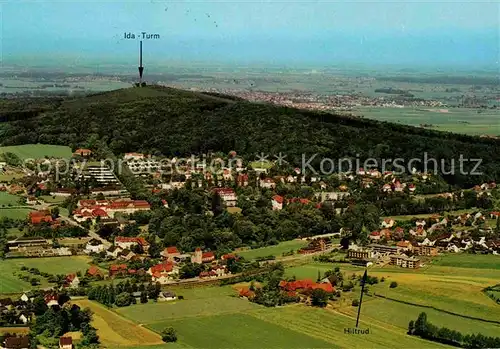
(458, 120)
(15, 213)
(10, 283)
(276, 250)
(115, 331)
(38, 151)
(8, 199)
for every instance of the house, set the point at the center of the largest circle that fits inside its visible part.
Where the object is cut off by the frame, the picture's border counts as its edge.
(375, 235)
(356, 252)
(404, 246)
(20, 342)
(163, 272)
(227, 195)
(72, 281)
(51, 299)
(387, 188)
(24, 298)
(37, 217)
(126, 255)
(307, 284)
(65, 343)
(386, 234)
(164, 203)
(31, 200)
(412, 188)
(277, 202)
(83, 152)
(133, 156)
(22, 243)
(166, 296)
(420, 223)
(113, 251)
(118, 270)
(200, 257)
(424, 250)
(419, 232)
(404, 261)
(227, 175)
(170, 252)
(94, 246)
(127, 242)
(24, 318)
(388, 223)
(267, 183)
(94, 271)
(242, 180)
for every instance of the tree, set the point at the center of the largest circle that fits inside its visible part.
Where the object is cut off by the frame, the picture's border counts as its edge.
(355, 303)
(421, 325)
(411, 327)
(169, 335)
(319, 297)
(123, 299)
(393, 284)
(144, 297)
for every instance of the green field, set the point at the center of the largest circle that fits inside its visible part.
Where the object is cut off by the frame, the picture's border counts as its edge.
(6, 199)
(38, 151)
(458, 120)
(10, 283)
(53, 199)
(276, 250)
(465, 260)
(399, 315)
(238, 331)
(217, 300)
(15, 213)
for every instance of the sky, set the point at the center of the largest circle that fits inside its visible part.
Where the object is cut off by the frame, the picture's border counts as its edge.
(403, 33)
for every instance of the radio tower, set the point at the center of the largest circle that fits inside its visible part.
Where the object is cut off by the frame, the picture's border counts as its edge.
(141, 68)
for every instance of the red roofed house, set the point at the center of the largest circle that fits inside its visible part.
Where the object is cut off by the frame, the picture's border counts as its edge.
(242, 180)
(72, 281)
(37, 217)
(200, 257)
(83, 152)
(51, 299)
(404, 246)
(163, 272)
(267, 183)
(170, 252)
(277, 202)
(227, 195)
(94, 271)
(65, 343)
(118, 269)
(306, 284)
(207, 257)
(127, 242)
(375, 235)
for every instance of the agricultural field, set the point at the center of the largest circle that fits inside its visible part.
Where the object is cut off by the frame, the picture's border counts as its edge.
(203, 301)
(463, 260)
(115, 331)
(38, 151)
(53, 199)
(10, 283)
(276, 250)
(458, 120)
(15, 213)
(7, 199)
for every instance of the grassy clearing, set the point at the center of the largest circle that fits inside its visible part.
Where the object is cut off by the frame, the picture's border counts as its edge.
(114, 331)
(328, 325)
(10, 283)
(53, 199)
(189, 307)
(17, 330)
(38, 151)
(238, 331)
(399, 315)
(6, 199)
(15, 213)
(276, 250)
(464, 260)
(458, 120)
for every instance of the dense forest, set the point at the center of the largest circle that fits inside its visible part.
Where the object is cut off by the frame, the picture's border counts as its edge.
(168, 121)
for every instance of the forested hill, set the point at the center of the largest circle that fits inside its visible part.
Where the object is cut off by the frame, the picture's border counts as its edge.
(176, 122)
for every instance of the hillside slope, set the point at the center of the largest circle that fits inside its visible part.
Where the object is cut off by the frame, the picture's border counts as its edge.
(175, 122)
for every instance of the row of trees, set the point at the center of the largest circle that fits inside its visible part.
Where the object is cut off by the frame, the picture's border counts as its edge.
(122, 294)
(423, 328)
